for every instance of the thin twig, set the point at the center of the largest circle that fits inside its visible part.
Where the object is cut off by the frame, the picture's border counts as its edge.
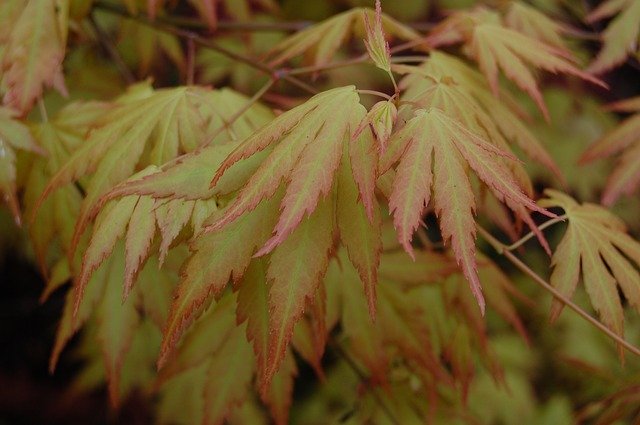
(500, 247)
(110, 48)
(374, 93)
(531, 234)
(204, 42)
(334, 65)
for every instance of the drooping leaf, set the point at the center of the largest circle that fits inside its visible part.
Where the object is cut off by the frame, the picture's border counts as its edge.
(310, 140)
(145, 127)
(13, 135)
(218, 257)
(55, 220)
(295, 270)
(620, 39)
(320, 42)
(279, 395)
(360, 232)
(433, 140)
(496, 47)
(596, 244)
(34, 53)
(229, 376)
(624, 138)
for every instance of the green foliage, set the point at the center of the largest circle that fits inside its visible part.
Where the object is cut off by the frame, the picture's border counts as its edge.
(221, 242)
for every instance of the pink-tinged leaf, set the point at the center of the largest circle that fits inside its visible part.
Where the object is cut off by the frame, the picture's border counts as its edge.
(207, 335)
(454, 204)
(412, 186)
(171, 216)
(596, 243)
(307, 155)
(621, 36)
(295, 270)
(381, 118)
(363, 156)
(230, 372)
(279, 395)
(109, 228)
(302, 342)
(363, 341)
(140, 233)
(625, 178)
(310, 333)
(219, 256)
(253, 307)
(310, 180)
(34, 53)
(376, 44)
(360, 234)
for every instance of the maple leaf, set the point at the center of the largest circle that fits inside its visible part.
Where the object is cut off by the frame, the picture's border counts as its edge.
(13, 135)
(34, 53)
(621, 36)
(431, 133)
(308, 154)
(623, 138)
(321, 41)
(495, 46)
(504, 112)
(597, 244)
(62, 134)
(376, 43)
(381, 117)
(117, 321)
(143, 128)
(446, 95)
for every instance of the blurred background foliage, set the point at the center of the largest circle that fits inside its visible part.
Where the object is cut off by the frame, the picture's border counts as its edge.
(565, 373)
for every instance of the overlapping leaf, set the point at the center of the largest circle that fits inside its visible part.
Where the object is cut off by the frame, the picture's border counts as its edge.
(32, 58)
(144, 127)
(311, 148)
(55, 220)
(623, 140)
(503, 112)
(160, 203)
(320, 42)
(596, 244)
(621, 36)
(432, 140)
(496, 47)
